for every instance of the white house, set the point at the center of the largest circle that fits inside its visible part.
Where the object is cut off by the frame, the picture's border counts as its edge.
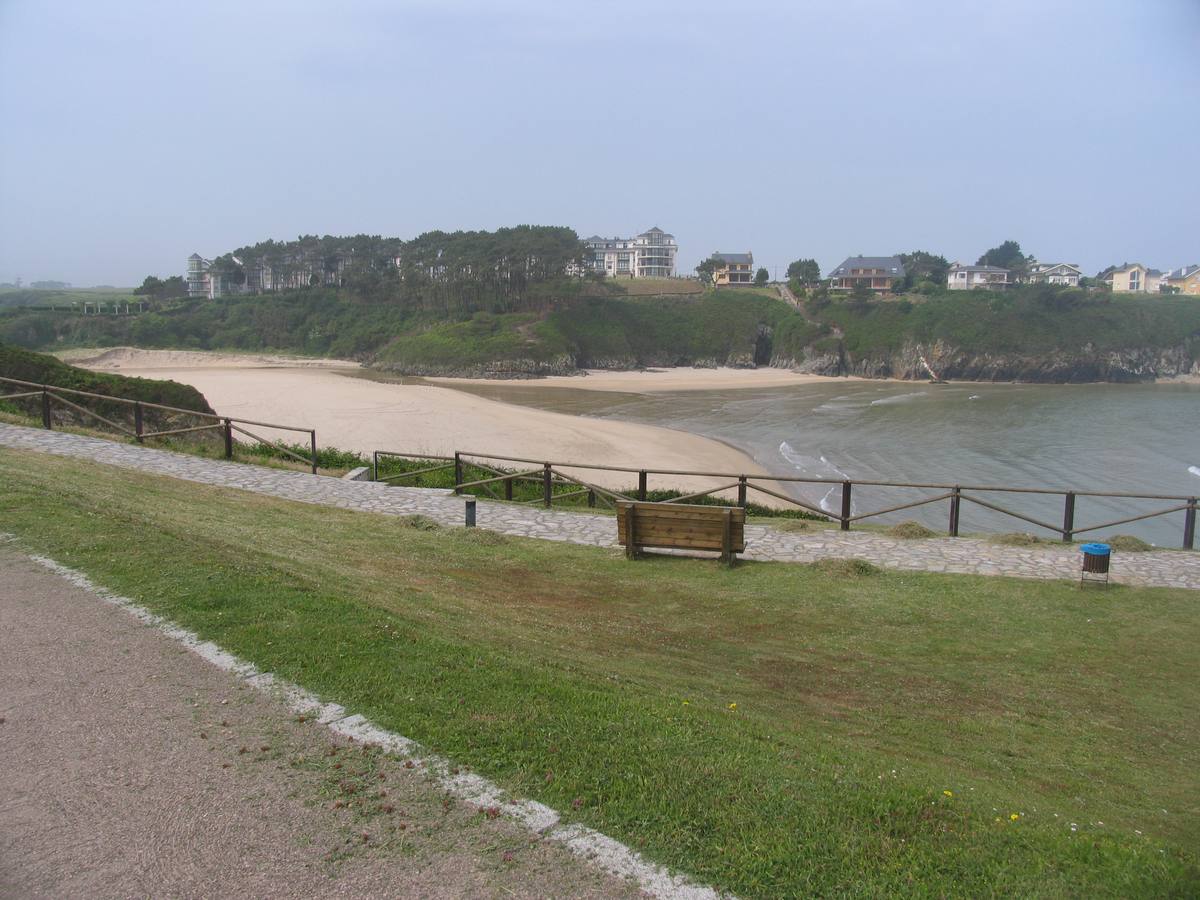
(649, 255)
(966, 278)
(1055, 273)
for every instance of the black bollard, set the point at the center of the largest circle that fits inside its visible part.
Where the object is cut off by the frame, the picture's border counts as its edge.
(470, 505)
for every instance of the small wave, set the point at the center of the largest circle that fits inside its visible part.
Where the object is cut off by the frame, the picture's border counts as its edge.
(901, 398)
(1195, 470)
(812, 466)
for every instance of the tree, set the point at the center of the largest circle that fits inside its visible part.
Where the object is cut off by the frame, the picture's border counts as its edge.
(761, 277)
(707, 270)
(860, 297)
(805, 271)
(1007, 256)
(158, 289)
(920, 266)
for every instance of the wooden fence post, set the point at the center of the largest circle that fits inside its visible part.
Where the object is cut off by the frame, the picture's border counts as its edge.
(591, 498)
(46, 423)
(741, 501)
(955, 510)
(642, 485)
(228, 439)
(727, 537)
(375, 466)
(547, 486)
(508, 488)
(313, 444)
(458, 473)
(630, 537)
(1189, 525)
(1068, 529)
(845, 517)
(137, 421)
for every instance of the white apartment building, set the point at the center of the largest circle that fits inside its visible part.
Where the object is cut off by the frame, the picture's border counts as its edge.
(649, 255)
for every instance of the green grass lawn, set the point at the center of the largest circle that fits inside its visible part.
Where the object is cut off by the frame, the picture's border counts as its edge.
(775, 730)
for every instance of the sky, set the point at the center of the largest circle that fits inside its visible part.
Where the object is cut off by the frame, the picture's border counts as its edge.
(134, 133)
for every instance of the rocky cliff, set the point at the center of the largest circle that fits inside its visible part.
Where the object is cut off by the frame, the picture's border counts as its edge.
(953, 363)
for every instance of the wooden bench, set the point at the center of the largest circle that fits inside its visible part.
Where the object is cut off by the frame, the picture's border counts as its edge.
(675, 526)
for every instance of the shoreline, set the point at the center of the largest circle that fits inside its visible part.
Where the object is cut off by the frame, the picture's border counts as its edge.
(666, 380)
(364, 414)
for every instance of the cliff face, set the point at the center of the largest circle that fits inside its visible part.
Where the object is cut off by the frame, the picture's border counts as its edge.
(952, 363)
(1060, 367)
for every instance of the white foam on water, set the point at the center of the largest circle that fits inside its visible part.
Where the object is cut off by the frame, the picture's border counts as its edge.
(1195, 470)
(818, 467)
(900, 398)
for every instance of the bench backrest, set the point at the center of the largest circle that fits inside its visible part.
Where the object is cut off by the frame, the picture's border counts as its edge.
(686, 527)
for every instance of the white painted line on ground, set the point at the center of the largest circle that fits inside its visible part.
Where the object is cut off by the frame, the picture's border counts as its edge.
(596, 849)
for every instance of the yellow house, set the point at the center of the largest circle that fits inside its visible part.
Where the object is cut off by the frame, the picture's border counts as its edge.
(736, 269)
(1133, 278)
(1186, 279)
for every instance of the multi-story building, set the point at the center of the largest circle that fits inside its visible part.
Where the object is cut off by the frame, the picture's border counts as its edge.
(879, 273)
(1055, 273)
(735, 269)
(649, 255)
(197, 275)
(966, 278)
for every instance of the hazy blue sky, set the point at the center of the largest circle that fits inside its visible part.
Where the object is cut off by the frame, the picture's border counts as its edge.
(137, 132)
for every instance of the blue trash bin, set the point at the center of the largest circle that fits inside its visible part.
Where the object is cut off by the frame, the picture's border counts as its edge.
(1095, 558)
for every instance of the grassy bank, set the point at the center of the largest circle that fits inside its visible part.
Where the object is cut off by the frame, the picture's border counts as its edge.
(1029, 321)
(775, 730)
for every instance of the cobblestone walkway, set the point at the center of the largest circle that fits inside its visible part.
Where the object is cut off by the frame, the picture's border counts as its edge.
(958, 555)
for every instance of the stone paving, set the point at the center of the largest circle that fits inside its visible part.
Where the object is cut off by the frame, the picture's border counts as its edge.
(1164, 568)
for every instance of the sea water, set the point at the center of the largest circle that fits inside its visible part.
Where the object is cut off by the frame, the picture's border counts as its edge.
(1142, 438)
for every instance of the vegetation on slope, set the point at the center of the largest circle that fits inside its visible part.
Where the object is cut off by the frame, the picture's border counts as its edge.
(775, 730)
(41, 368)
(1033, 320)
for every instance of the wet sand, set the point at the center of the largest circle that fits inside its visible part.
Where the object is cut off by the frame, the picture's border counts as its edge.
(654, 380)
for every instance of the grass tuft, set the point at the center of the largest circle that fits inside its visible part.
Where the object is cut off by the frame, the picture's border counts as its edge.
(846, 568)
(1017, 539)
(419, 523)
(1127, 543)
(910, 531)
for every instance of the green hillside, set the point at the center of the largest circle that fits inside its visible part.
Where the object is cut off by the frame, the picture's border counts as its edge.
(1029, 334)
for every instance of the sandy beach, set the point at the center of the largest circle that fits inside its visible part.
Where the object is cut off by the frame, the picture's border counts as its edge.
(365, 415)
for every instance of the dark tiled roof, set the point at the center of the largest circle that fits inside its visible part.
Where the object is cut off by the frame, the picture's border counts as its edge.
(890, 264)
(1183, 272)
(739, 258)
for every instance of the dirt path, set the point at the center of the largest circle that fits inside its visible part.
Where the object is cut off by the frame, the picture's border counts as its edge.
(130, 767)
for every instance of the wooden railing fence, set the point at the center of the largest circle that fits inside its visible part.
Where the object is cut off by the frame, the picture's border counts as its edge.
(226, 425)
(551, 476)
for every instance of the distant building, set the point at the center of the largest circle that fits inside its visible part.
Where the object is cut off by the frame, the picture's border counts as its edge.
(288, 271)
(878, 273)
(966, 278)
(1132, 278)
(1055, 273)
(197, 276)
(1186, 279)
(649, 255)
(735, 269)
